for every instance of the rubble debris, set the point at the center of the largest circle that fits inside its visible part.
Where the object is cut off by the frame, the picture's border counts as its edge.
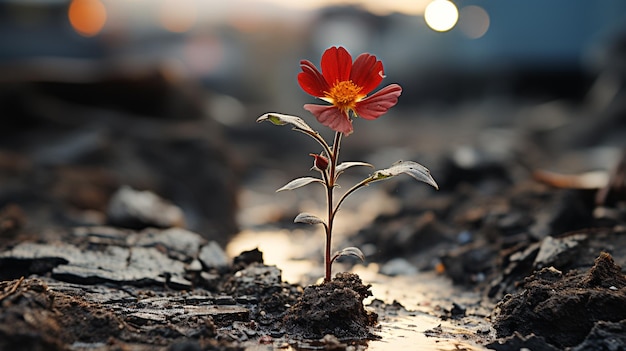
(564, 307)
(134, 209)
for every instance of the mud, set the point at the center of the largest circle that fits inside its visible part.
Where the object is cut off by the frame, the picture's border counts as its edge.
(563, 308)
(332, 308)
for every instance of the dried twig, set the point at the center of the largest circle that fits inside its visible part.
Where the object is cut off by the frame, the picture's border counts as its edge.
(12, 290)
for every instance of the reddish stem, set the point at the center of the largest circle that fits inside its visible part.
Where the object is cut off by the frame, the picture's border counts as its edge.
(330, 186)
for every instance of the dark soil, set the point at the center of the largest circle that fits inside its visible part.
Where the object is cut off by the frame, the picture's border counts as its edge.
(564, 307)
(35, 317)
(332, 308)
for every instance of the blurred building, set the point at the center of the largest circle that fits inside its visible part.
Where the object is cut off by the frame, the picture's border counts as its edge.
(249, 49)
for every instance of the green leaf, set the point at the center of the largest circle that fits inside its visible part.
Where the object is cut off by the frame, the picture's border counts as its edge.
(345, 165)
(308, 218)
(280, 120)
(298, 125)
(299, 182)
(350, 251)
(411, 168)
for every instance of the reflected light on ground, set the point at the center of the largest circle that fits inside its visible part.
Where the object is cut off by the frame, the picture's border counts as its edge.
(87, 17)
(441, 15)
(279, 248)
(474, 21)
(178, 16)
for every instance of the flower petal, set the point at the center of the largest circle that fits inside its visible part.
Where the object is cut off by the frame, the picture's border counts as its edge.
(331, 117)
(367, 72)
(377, 104)
(311, 80)
(336, 65)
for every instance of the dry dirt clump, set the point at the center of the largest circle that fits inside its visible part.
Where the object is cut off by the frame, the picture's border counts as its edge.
(565, 308)
(35, 317)
(333, 308)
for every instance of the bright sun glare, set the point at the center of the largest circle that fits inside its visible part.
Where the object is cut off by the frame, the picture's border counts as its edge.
(441, 15)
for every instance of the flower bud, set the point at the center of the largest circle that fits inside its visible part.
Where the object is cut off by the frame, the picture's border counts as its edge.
(320, 163)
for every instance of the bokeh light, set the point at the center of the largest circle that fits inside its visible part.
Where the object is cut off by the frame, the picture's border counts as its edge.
(441, 15)
(178, 16)
(474, 21)
(87, 17)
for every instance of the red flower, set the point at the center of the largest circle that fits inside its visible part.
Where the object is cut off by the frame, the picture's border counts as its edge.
(345, 85)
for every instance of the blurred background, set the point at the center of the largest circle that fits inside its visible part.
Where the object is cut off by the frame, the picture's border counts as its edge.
(162, 95)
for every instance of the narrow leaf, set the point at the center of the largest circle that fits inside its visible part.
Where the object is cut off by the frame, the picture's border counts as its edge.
(345, 165)
(299, 182)
(308, 218)
(280, 120)
(351, 251)
(411, 168)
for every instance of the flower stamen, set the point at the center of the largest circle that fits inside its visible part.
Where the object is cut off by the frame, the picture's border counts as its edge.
(344, 94)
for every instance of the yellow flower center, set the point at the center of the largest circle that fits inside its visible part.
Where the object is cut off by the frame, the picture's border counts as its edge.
(344, 94)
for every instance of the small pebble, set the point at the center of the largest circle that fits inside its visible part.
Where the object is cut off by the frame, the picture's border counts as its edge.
(224, 300)
(194, 266)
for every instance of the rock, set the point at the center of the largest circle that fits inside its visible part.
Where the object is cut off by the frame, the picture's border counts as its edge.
(475, 164)
(195, 266)
(161, 310)
(247, 257)
(405, 233)
(558, 251)
(104, 235)
(255, 279)
(213, 256)
(224, 300)
(469, 264)
(398, 266)
(604, 336)
(457, 310)
(518, 342)
(135, 209)
(137, 265)
(180, 243)
(567, 210)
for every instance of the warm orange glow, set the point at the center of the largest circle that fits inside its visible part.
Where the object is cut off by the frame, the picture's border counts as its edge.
(87, 17)
(178, 16)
